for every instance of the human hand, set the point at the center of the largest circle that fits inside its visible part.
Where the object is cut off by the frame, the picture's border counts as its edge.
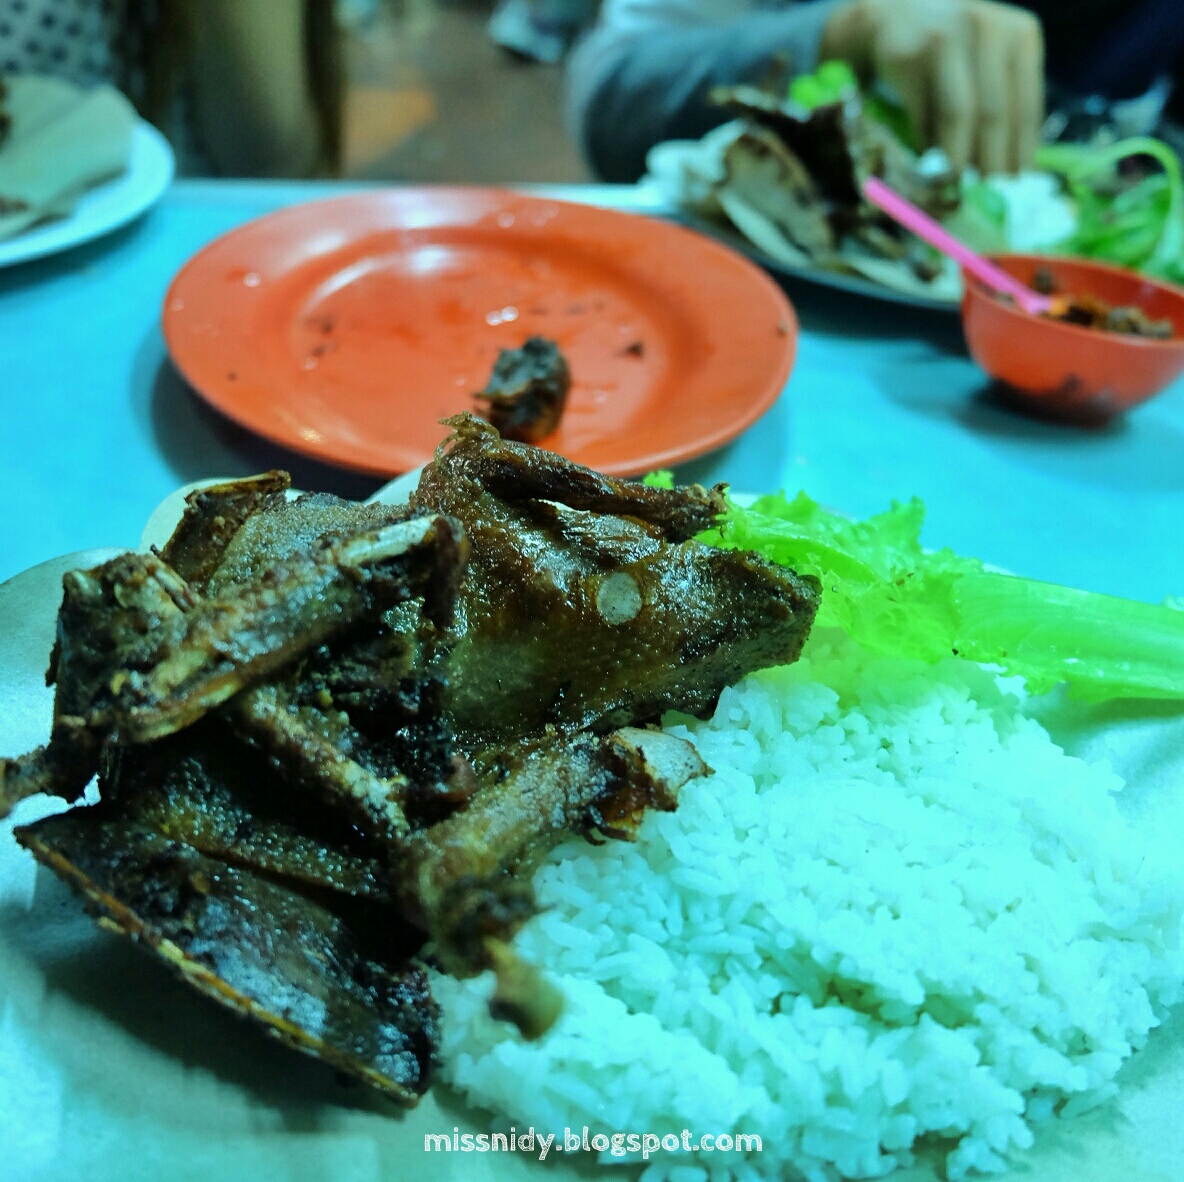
(970, 73)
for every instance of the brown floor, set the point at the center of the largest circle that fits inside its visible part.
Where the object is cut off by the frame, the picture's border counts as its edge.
(433, 99)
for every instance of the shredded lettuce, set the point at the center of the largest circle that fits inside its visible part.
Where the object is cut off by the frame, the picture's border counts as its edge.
(885, 590)
(1139, 225)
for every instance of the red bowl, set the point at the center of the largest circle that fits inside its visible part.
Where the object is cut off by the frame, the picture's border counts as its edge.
(1064, 369)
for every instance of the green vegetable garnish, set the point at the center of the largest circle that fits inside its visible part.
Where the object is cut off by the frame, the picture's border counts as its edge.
(882, 109)
(835, 82)
(837, 77)
(832, 82)
(1139, 226)
(887, 592)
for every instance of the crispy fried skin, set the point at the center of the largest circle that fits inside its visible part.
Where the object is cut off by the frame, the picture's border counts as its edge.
(212, 517)
(610, 622)
(206, 788)
(263, 951)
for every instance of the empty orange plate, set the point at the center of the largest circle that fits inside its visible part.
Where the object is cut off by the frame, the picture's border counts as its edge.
(347, 329)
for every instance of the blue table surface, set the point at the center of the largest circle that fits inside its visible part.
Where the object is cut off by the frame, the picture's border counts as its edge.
(883, 404)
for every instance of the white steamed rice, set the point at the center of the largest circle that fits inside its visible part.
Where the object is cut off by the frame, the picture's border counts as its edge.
(895, 911)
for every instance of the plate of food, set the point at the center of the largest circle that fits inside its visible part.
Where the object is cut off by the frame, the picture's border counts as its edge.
(774, 844)
(74, 165)
(347, 329)
(782, 180)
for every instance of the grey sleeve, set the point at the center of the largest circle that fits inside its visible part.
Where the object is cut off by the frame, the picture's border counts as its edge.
(631, 88)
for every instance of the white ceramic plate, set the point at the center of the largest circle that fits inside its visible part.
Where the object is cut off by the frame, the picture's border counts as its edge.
(104, 208)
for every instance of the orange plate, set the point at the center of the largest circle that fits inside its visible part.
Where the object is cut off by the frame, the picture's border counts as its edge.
(346, 329)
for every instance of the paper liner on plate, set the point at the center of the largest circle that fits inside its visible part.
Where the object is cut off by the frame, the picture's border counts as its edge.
(63, 141)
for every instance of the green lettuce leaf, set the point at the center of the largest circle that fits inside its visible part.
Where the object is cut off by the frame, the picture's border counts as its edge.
(885, 590)
(832, 82)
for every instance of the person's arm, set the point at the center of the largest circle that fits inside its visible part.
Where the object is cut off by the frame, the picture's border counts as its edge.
(969, 72)
(643, 74)
(254, 95)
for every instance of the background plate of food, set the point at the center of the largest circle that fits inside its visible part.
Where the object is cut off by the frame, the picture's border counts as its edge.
(782, 181)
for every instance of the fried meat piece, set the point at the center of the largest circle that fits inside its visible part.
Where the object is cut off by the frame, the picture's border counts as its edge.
(212, 517)
(208, 789)
(527, 391)
(111, 617)
(265, 952)
(466, 881)
(761, 171)
(840, 147)
(149, 669)
(476, 459)
(140, 654)
(312, 750)
(349, 720)
(612, 619)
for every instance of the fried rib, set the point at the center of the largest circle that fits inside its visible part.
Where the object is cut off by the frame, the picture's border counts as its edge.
(311, 759)
(242, 636)
(265, 952)
(205, 788)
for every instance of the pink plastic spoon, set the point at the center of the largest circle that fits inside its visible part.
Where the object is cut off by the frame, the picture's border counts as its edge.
(921, 224)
